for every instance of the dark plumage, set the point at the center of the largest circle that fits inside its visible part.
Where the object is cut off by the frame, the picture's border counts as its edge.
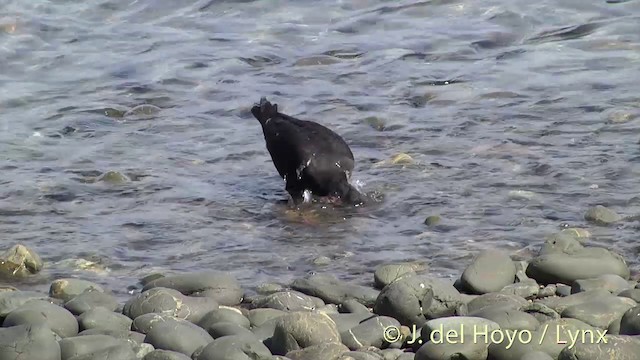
(307, 155)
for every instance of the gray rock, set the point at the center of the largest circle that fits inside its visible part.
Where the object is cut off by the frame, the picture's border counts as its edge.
(178, 335)
(630, 322)
(601, 215)
(269, 288)
(508, 318)
(220, 286)
(613, 347)
(11, 300)
(386, 274)
(455, 328)
(67, 289)
(258, 317)
(221, 329)
(28, 342)
(298, 330)
(224, 315)
(345, 322)
(287, 301)
(331, 290)
(165, 355)
(495, 299)
(549, 290)
(413, 300)
(614, 327)
(561, 243)
(325, 351)
(101, 318)
(360, 355)
(541, 312)
(490, 271)
(563, 290)
(89, 344)
(369, 333)
(527, 289)
(169, 302)
(465, 347)
(599, 313)
(612, 283)
(537, 355)
(633, 294)
(91, 299)
(233, 348)
(36, 312)
(406, 356)
(568, 267)
(352, 306)
(19, 261)
(560, 303)
(144, 323)
(141, 349)
(391, 354)
(120, 352)
(125, 334)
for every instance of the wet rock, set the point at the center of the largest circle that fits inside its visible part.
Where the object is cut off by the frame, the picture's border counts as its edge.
(220, 286)
(630, 322)
(541, 312)
(566, 268)
(322, 261)
(67, 289)
(28, 342)
(170, 302)
(612, 283)
(386, 274)
(270, 288)
(326, 351)
(233, 348)
(601, 215)
(563, 290)
(612, 347)
(527, 289)
(145, 322)
(495, 299)
(224, 315)
(345, 322)
(578, 233)
(258, 317)
(86, 345)
(142, 111)
(390, 354)
(221, 329)
(331, 290)
(633, 294)
(101, 318)
(432, 220)
(353, 307)
(490, 271)
(461, 347)
(113, 178)
(437, 330)
(125, 334)
(559, 304)
(120, 352)
(165, 355)
(287, 301)
(299, 330)
(91, 299)
(416, 299)
(509, 319)
(369, 333)
(177, 335)
(40, 312)
(402, 159)
(599, 313)
(360, 355)
(19, 261)
(406, 356)
(549, 290)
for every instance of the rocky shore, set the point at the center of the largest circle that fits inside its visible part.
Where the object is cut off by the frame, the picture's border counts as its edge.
(570, 301)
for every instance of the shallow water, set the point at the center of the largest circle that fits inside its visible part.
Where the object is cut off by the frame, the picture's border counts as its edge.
(486, 96)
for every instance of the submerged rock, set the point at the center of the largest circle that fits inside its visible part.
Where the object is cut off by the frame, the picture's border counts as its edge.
(220, 286)
(19, 261)
(169, 302)
(331, 290)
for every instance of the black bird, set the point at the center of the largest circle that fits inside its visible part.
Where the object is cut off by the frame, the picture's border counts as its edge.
(307, 155)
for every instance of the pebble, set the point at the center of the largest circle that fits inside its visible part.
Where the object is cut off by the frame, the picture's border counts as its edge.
(332, 290)
(509, 319)
(67, 289)
(221, 287)
(28, 342)
(298, 330)
(288, 300)
(601, 215)
(170, 302)
(224, 315)
(40, 312)
(612, 283)
(177, 335)
(370, 332)
(101, 318)
(91, 299)
(89, 344)
(388, 273)
(490, 271)
(599, 313)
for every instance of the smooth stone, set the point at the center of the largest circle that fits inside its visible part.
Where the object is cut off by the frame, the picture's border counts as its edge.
(563, 290)
(11, 300)
(325, 351)
(328, 309)
(413, 300)
(40, 312)
(466, 347)
(369, 333)
(269, 288)
(88, 344)
(560, 303)
(178, 335)
(220, 286)
(28, 342)
(541, 312)
(288, 300)
(224, 315)
(332, 290)
(298, 330)
(125, 334)
(258, 317)
(388, 273)
(614, 327)
(509, 319)
(495, 299)
(345, 322)
(633, 294)
(221, 329)
(353, 307)
(102, 318)
(406, 356)
(527, 289)
(67, 289)
(630, 322)
(601, 215)
(537, 355)
(144, 323)
(612, 283)
(437, 330)
(165, 355)
(561, 244)
(142, 110)
(489, 271)
(120, 352)
(360, 355)
(169, 302)
(616, 347)
(599, 313)
(233, 348)
(19, 261)
(89, 300)
(549, 290)
(566, 268)
(391, 354)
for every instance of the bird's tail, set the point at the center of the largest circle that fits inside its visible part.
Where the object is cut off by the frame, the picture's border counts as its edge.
(264, 110)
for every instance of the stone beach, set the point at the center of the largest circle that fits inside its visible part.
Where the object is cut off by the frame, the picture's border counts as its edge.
(569, 301)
